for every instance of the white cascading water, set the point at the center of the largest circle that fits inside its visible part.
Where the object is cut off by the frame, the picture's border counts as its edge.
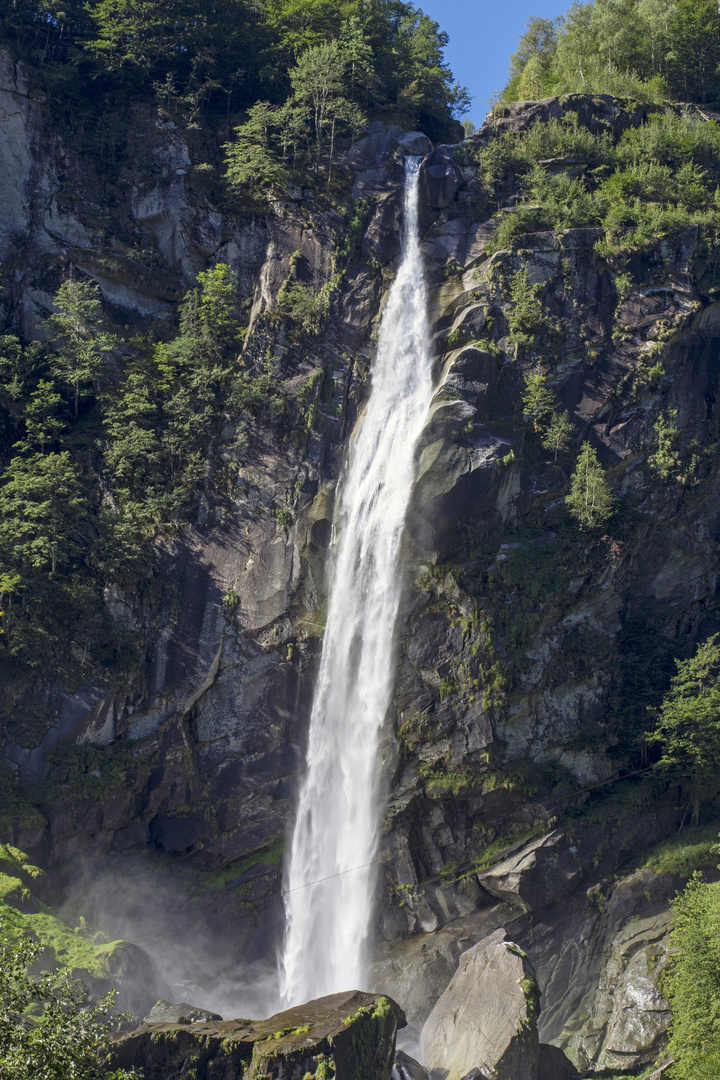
(330, 878)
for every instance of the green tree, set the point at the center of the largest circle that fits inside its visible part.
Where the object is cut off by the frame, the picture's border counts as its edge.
(252, 159)
(77, 330)
(666, 460)
(538, 399)
(360, 74)
(133, 449)
(577, 48)
(298, 25)
(525, 317)
(694, 59)
(688, 725)
(42, 513)
(531, 65)
(16, 365)
(43, 423)
(590, 500)
(558, 434)
(318, 82)
(692, 984)
(656, 16)
(65, 1038)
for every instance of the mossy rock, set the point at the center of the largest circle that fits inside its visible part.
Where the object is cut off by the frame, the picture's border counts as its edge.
(347, 1036)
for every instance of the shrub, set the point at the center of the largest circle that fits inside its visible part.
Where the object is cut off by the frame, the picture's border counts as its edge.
(46, 1030)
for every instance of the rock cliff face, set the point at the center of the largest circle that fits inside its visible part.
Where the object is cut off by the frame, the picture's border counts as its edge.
(525, 648)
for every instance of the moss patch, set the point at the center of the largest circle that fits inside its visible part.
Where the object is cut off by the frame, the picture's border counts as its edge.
(21, 912)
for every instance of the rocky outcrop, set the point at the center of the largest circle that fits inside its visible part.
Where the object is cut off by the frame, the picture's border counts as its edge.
(487, 1017)
(540, 873)
(407, 1068)
(349, 1036)
(599, 959)
(132, 973)
(163, 1012)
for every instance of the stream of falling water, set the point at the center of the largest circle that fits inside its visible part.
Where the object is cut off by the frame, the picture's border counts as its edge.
(329, 883)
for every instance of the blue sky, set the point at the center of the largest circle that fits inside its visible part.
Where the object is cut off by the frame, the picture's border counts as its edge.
(483, 35)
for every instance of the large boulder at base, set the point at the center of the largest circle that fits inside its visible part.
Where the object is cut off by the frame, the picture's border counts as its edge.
(487, 1017)
(350, 1036)
(133, 974)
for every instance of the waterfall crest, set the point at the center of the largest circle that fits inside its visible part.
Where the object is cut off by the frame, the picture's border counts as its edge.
(336, 831)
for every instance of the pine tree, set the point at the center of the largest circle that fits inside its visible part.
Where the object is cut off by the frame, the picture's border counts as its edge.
(77, 329)
(590, 500)
(41, 512)
(538, 399)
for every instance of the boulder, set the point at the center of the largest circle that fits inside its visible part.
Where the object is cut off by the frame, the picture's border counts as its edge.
(443, 177)
(539, 873)
(414, 143)
(351, 1035)
(133, 973)
(487, 1017)
(407, 1068)
(163, 1012)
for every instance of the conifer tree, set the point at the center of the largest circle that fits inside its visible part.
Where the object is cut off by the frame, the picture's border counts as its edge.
(77, 329)
(590, 500)
(538, 399)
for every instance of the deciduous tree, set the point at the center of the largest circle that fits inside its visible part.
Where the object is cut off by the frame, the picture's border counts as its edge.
(688, 725)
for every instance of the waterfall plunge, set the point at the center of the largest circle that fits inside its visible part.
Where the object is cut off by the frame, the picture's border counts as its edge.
(335, 838)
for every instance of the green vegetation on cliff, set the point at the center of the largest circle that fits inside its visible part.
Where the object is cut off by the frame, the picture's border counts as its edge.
(650, 181)
(645, 49)
(688, 727)
(205, 65)
(105, 442)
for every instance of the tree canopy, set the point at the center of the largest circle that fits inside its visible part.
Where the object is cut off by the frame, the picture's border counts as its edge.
(222, 56)
(649, 49)
(688, 725)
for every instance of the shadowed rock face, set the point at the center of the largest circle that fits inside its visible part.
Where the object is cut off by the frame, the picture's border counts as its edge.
(351, 1034)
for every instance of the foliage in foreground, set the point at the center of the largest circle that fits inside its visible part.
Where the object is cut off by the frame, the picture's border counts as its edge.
(688, 725)
(693, 982)
(47, 1032)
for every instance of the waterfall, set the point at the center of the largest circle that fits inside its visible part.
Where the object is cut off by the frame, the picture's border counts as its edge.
(330, 878)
